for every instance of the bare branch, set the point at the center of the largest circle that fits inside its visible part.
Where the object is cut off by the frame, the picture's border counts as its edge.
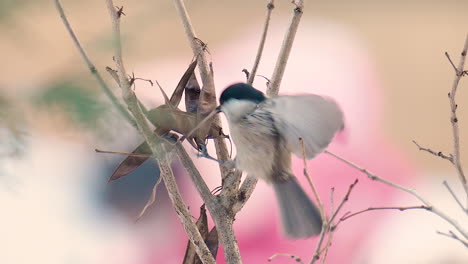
(312, 186)
(92, 68)
(158, 149)
(250, 182)
(195, 175)
(286, 49)
(451, 63)
(454, 236)
(207, 103)
(345, 199)
(328, 228)
(184, 214)
(400, 208)
(318, 247)
(245, 191)
(253, 72)
(438, 154)
(434, 209)
(455, 196)
(454, 119)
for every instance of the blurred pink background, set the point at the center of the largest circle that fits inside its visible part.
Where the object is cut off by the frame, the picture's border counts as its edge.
(383, 63)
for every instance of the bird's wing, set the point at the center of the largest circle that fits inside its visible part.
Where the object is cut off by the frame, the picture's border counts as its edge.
(312, 118)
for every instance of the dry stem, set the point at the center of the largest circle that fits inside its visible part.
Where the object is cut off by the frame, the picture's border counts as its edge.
(92, 68)
(433, 209)
(286, 49)
(454, 119)
(253, 72)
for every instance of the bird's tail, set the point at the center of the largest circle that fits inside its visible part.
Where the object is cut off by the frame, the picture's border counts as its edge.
(299, 215)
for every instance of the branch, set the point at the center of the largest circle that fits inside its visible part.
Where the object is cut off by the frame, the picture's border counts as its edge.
(250, 182)
(433, 209)
(195, 175)
(286, 49)
(348, 215)
(454, 196)
(312, 186)
(438, 154)
(184, 214)
(155, 145)
(459, 72)
(328, 228)
(222, 218)
(454, 236)
(253, 72)
(92, 68)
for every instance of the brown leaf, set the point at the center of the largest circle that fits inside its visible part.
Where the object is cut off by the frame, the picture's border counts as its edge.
(192, 94)
(202, 225)
(212, 242)
(168, 119)
(130, 163)
(152, 198)
(177, 94)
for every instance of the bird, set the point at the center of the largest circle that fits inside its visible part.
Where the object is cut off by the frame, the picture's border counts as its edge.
(267, 131)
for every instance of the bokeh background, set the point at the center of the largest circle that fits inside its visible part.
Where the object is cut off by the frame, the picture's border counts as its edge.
(383, 61)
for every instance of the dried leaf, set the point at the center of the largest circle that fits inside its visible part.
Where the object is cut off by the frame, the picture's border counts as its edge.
(151, 200)
(177, 94)
(212, 242)
(130, 163)
(169, 119)
(191, 256)
(166, 119)
(166, 99)
(192, 94)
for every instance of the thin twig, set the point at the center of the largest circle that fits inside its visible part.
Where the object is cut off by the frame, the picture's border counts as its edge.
(184, 214)
(250, 182)
(318, 247)
(455, 196)
(92, 68)
(311, 184)
(253, 72)
(196, 177)
(400, 208)
(345, 199)
(286, 49)
(454, 236)
(123, 153)
(328, 228)
(433, 209)
(438, 154)
(454, 119)
(296, 258)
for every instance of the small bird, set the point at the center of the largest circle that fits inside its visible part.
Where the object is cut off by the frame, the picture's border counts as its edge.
(267, 130)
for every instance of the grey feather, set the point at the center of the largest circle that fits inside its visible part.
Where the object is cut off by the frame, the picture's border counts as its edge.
(300, 217)
(313, 118)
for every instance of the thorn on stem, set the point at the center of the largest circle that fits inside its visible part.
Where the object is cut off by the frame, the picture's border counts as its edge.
(247, 73)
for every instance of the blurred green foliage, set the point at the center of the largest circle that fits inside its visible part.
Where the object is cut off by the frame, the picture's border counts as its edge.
(8, 6)
(80, 103)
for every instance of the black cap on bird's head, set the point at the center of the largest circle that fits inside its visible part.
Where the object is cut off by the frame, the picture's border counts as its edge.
(241, 91)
